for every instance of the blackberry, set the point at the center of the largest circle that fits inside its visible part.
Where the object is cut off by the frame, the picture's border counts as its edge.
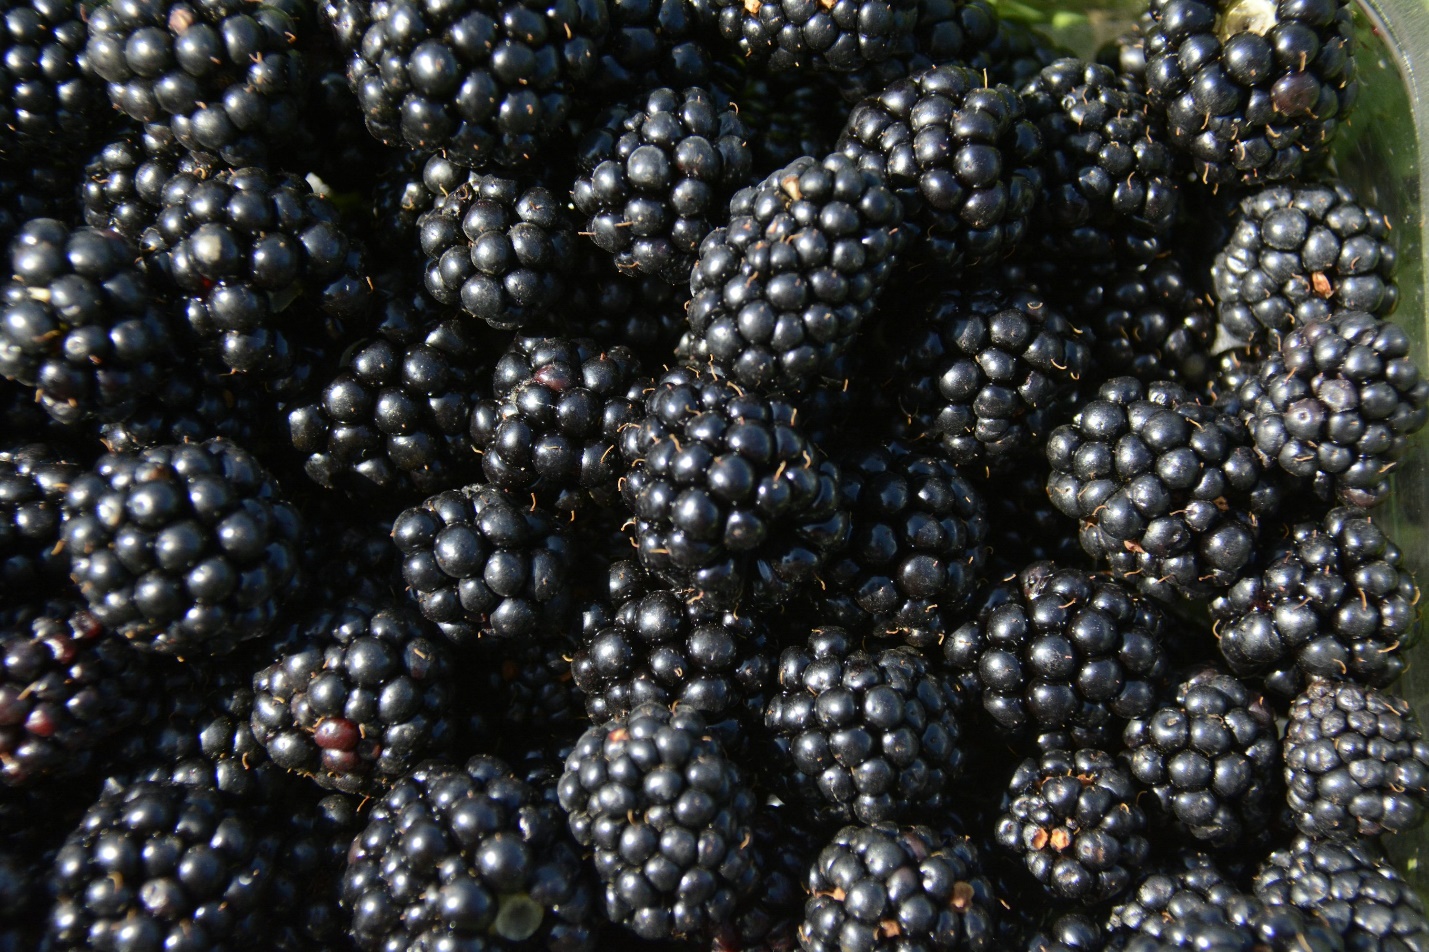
(79, 324)
(1150, 321)
(986, 372)
(1251, 94)
(122, 187)
(870, 737)
(66, 687)
(226, 77)
(38, 190)
(1331, 601)
(1189, 887)
(47, 102)
(393, 418)
(552, 425)
(1062, 649)
(469, 854)
(1111, 181)
(842, 36)
(911, 885)
(361, 702)
(496, 251)
(1297, 254)
(33, 481)
(1072, 932)
(652, 43)
(193, 403)
(962, 156)
(657, 648)
(668, 816)
(1254, 929)
(1355, 762)
(946, 31)
(185, 549)
(784, 288)
(656, 174)
(479, 80)
(1168, 490)
(1351, 886)
(917, 548)
(1333, 409)
(1209, 758)
(157, 864)
(263, 264)
(1074, 820)
(484, 563)
(729, 498)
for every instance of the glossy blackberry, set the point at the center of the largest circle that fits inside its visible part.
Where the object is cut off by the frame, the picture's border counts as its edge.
(483, 81)
(66, 687)
(1149, 321)
(668, 816)
(730, 500)
(986, 372)
(1074, 820)
(841, 36)
(263, 264)
(1253, 928)
(784, 288)
(1352, 887)
(361, 703)
(914, 885)
(659, 648)
(46, 100)
(497, 251)
(1111, 180)
(962, 156)
(1062, 649)
(484, 563)
(1298, 254)
(1331, 601)
(33, 481)
(652, 43)
(470, 855)
(1252, 93)
(185, 549)
(917, 549)
(193, 403)
(656, 175)
(1210, 758)
(1333, 409)
(30, 191)
(869, 736)
(1356, 762)
(1167, 489)
(392, 421)
(552, 424)
(158, 864)
(1071, 932)
(79, 323)
(225, 76)
(946, 31)
(1186, 888)
(122, 185)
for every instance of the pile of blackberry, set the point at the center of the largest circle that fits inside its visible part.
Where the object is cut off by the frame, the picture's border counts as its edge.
(731, 475)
